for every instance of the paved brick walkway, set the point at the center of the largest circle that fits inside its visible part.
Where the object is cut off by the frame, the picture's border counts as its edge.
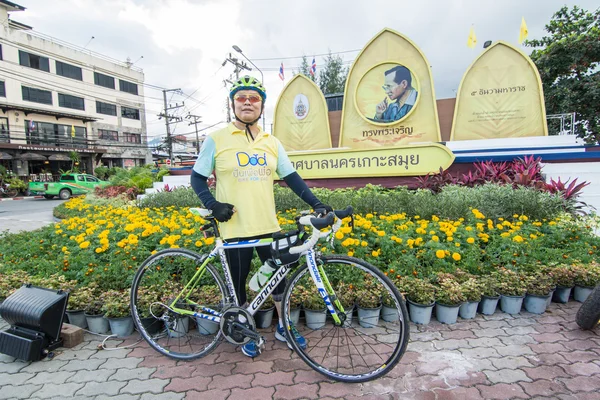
(490, 357)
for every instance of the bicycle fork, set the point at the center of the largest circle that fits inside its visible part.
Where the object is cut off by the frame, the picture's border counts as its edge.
(324, 287)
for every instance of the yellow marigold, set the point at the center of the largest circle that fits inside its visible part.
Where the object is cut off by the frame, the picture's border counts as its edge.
(505, 234)
(84, 245)
(518, 239)
(533, 236)
(450, 238)
(350, 253)
(457, 244)
(339, 235)
(456, 256)
(375, 253)
(440, 254)
(468, 228)
(209, 240)
(381, 233)
(435, 218)
(364, 244)
(435, 238)
(470, 240)
(100, 249)
(369, 216)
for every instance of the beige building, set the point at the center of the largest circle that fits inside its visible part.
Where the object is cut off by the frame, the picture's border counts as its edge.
(56, 98)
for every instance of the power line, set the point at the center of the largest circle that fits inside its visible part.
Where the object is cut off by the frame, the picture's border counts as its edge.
(314, 55)
(57, 56)
(51, 86)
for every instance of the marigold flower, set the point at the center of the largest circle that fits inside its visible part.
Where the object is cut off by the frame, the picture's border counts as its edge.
(84, 245)
(456, 256)
(440, 254)
(470, 240)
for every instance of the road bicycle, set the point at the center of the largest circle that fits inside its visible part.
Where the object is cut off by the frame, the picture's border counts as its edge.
(184, 306)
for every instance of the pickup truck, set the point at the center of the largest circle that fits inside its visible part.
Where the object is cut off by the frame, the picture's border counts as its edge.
(69, 184)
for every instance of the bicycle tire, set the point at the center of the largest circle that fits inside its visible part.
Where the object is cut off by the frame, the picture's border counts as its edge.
(588, 314)
(158, 333)
(397, 345)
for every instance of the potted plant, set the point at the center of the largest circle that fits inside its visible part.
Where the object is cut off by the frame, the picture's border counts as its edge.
(296, 299)
(148, 312)
(420, 295)
(177, 326)
(565, 280)
(264, 315)
(314, 308)
(93, 309)
(512, 287)
(346, 295)
(116, 309)
(209, 296)
(490, 295)
(78, 301)
(538, 292)
(472, 291)
(586, 278)
(368, 302)
(448, 298)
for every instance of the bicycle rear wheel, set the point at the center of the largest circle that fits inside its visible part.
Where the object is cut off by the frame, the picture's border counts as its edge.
(157, 283)
(355, 351)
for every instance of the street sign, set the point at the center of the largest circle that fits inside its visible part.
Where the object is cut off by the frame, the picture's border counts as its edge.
(168, 161)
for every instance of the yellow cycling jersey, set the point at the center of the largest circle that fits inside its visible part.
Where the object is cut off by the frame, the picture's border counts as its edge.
(245, 170)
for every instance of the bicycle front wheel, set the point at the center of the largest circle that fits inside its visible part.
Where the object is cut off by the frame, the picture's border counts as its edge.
(158, 282)
(368, 342)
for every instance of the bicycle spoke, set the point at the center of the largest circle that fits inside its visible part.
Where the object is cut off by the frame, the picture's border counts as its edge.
(367, 347)
(158, 283)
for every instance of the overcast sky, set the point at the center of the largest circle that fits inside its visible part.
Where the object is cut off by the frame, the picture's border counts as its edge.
(184, 43)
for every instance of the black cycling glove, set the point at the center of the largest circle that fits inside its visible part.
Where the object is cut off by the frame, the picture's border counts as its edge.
(322, 208)
(222, 211)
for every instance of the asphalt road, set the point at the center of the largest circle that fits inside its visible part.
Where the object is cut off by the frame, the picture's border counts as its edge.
(26, 214)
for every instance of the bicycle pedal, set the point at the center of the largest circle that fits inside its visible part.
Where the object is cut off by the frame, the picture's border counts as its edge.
(260, 345)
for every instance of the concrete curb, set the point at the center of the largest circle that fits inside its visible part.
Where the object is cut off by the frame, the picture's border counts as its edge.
(22, 198)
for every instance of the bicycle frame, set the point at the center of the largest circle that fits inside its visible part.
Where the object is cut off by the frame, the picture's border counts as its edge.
(316, 271)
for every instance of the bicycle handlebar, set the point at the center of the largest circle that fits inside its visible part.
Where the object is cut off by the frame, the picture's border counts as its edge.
(318, 224)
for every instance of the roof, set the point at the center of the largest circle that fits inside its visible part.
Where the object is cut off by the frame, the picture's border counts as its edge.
(10, 6)
(18, 25)
(29, 110)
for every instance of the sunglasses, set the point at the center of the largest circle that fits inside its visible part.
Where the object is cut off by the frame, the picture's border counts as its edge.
(253, 99)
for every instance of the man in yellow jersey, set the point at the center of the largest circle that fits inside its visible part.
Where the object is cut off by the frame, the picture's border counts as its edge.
(245, 160)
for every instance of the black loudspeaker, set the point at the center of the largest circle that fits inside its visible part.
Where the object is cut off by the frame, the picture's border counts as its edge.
(36, 317)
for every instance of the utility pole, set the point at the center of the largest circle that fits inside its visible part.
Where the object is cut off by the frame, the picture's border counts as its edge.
(225, 82)
(168, 119)
(195, 122)
(238, 65)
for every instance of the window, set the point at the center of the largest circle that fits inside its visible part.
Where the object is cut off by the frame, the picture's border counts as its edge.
(108, 135)
(4, 131)
(2, 89)
(67, 101)
(67, 178)
(104, 80)
(34, 61)
(132, 113)
(80, 178)
(133, 137)
(1, 58)
(106, 108)
(128, 87)
(68, 71)
(89, 178)
(37, 95)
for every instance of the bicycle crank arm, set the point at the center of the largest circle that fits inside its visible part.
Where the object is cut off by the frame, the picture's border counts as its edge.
(249, 333)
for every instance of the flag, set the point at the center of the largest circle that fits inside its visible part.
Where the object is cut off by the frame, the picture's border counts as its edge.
(72, 130)
(524, 32)
(313, 67)
(281, 76)
(31, 125)
(472, 41)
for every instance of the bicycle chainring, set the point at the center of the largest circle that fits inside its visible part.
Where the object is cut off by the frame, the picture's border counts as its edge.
(231, 322)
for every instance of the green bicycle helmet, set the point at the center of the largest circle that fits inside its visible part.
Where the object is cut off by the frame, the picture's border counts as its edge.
(248, 82)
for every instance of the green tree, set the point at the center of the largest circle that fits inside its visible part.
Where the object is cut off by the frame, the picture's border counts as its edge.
(304, 69)
(332, 78)
(568, 62)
